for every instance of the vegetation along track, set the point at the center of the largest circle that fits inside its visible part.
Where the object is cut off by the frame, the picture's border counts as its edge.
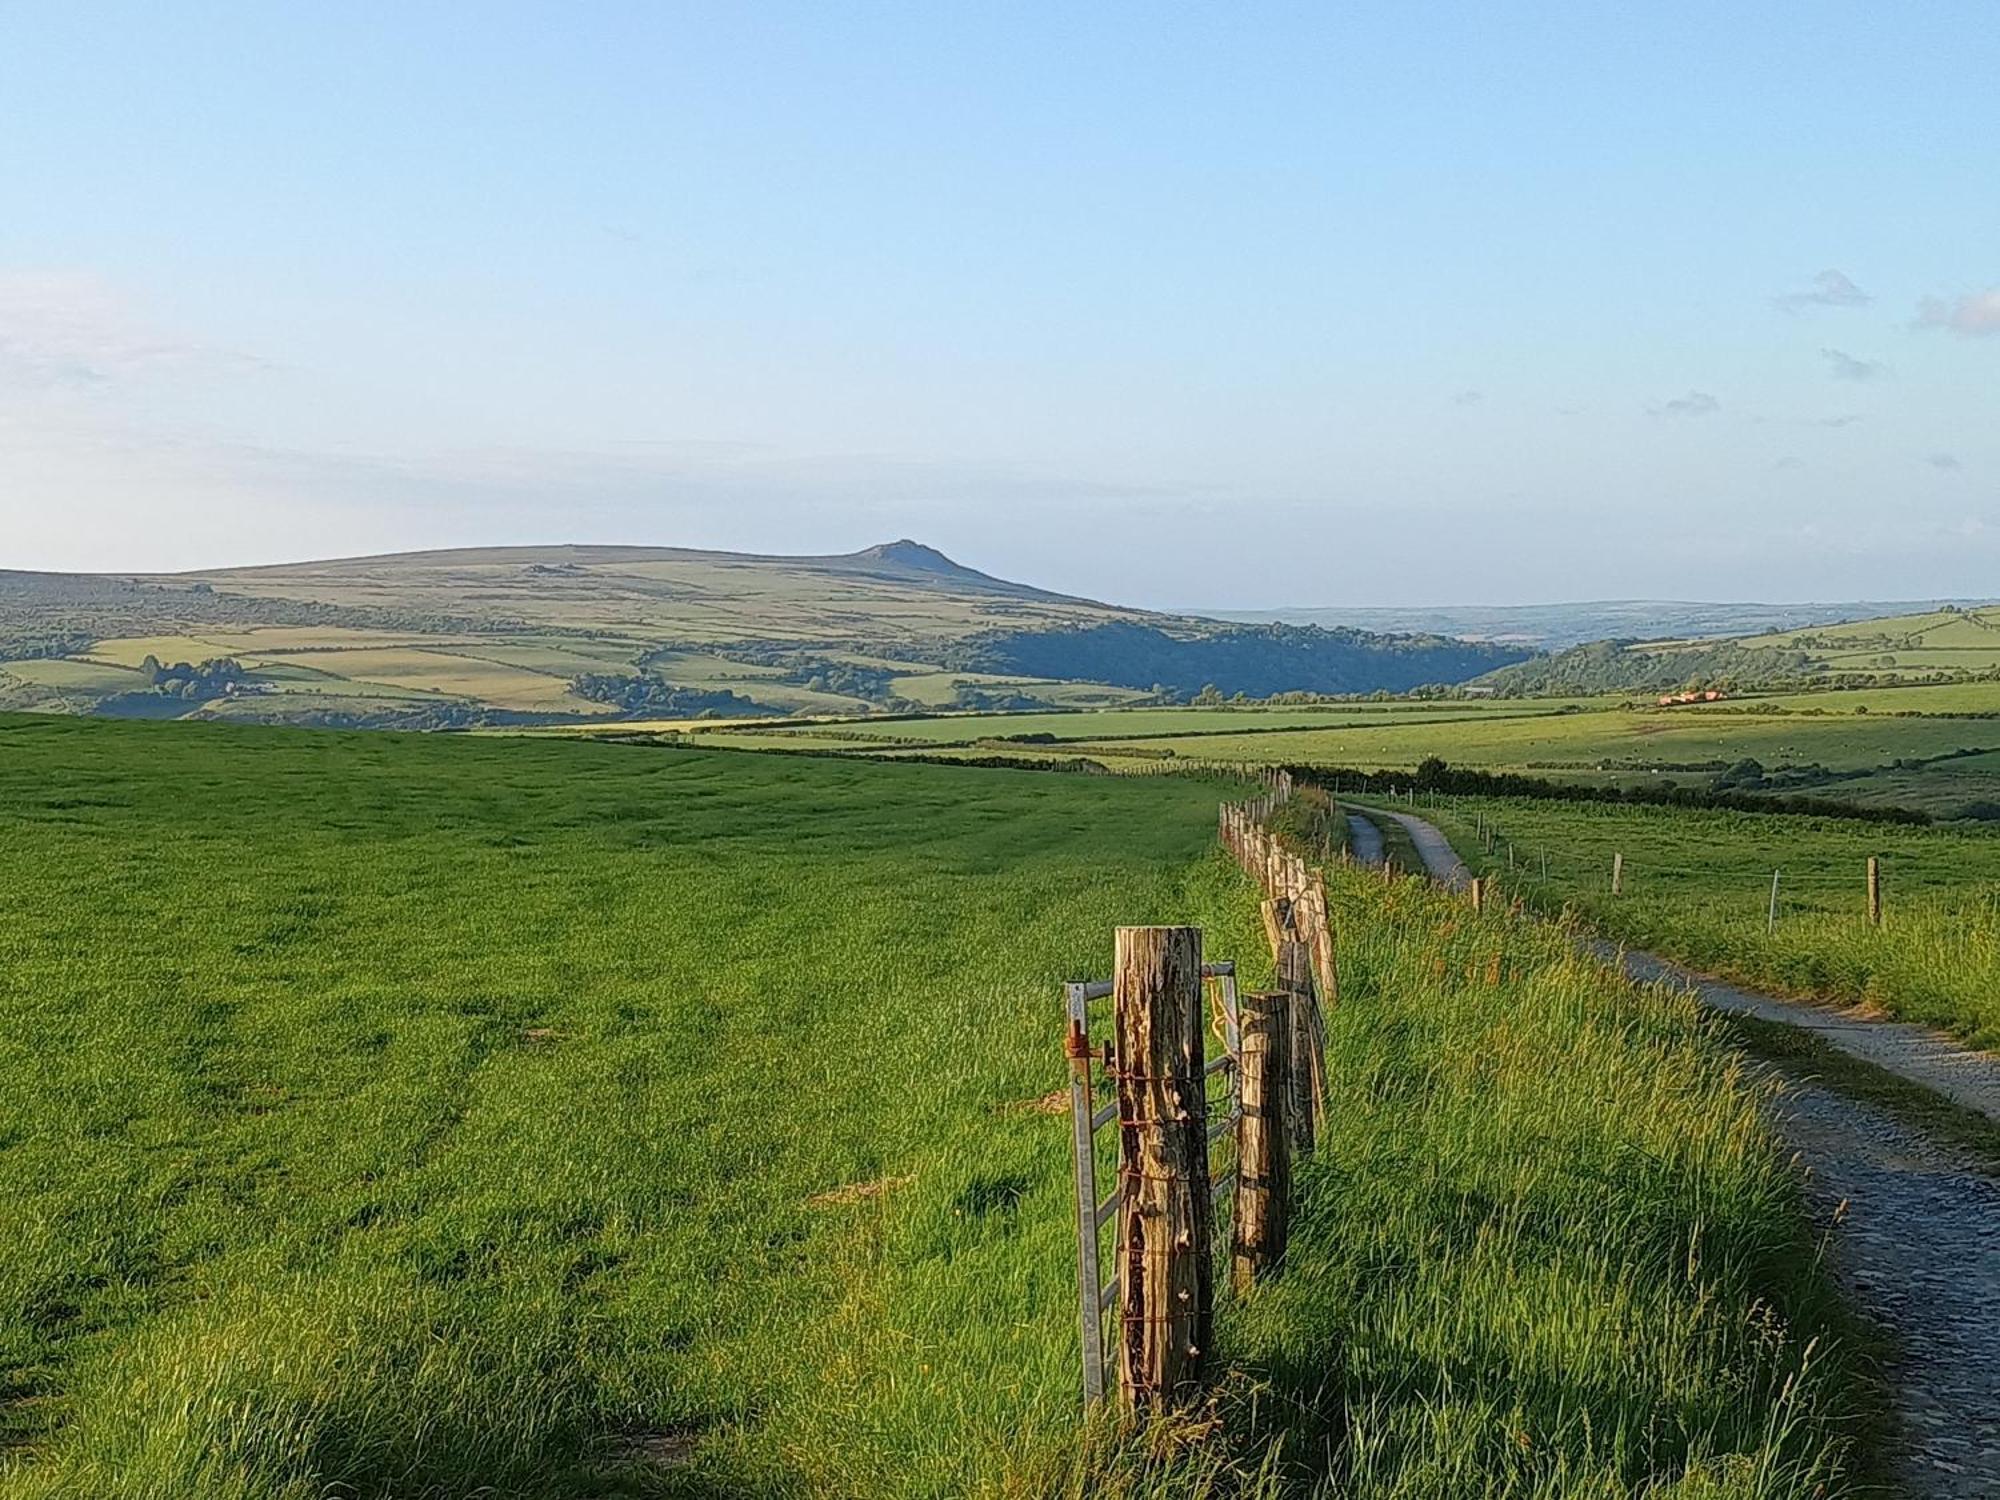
(1918, 1219)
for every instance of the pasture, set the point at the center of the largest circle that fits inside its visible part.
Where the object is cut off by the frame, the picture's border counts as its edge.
(482, 1111)
(395, 1114)
(1943, 762)
(1697, 887)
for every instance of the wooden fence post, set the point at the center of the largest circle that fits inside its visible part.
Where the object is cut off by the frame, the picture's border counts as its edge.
(1476, 889)
(1166, 1221)
(1263, 1142)
(1618, 874)
(1874, 891)
(1771, 916)
(1307, 1101)
(1326, 962)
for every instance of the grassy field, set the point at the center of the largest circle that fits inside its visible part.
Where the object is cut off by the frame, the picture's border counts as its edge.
(413, 1115)
(1697, 886)
(1144, 726)
(1946, 765)
(459, 1110)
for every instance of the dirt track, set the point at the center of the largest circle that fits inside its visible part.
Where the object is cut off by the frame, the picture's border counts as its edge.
(1916, 1222)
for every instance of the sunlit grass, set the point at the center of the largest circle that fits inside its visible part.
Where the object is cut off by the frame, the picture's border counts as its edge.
(399, 1116)
(1697, 886)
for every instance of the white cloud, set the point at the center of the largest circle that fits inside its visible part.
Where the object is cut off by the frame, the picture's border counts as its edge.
(72, 328)
(1829, 289)
(1844, 366)
(1975, 315)
(1693, 404)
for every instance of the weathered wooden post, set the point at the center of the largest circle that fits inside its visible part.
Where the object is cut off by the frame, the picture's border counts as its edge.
(1326, 961)
(1618, 874)
(1166, 1220)
(1874, 891)
(1308, 1067)
(1771, 915)
(1263, 1140)
(1476, 889)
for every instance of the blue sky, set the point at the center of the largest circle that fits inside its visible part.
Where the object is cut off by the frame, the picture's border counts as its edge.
(1235, 306)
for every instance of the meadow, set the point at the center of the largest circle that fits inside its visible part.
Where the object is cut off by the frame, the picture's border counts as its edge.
(1942, 761)
(399, 1115)
(1697, 886)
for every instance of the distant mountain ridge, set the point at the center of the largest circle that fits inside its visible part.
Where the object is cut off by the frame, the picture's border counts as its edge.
(1553, 627)
(900, 559)
(473, 635)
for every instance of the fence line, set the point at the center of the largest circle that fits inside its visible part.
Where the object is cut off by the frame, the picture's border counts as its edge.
(1179, 1172)
(1770, 895)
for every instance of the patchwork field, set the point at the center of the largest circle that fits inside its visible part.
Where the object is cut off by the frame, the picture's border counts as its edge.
(1934, 749)
(388, 1114)
(507, 635)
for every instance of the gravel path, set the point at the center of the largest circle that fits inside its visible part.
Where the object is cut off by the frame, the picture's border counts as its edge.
(1446, 868)
(1918, 1249)
(1900, 1047)
(1918, 1246)
(1364, 839)
(1917, 1053)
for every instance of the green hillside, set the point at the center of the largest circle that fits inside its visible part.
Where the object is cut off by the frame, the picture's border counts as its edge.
(559, 634)
(1950, 644)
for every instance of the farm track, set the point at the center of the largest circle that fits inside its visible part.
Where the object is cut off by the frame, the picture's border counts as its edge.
(1917, 1222)
(1364, 839)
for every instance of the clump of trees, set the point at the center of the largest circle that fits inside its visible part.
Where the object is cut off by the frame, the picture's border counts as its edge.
(1629, 666)
(206, 679)
(31, 645)
(1251, 660)
(970, 695)
(635, 694)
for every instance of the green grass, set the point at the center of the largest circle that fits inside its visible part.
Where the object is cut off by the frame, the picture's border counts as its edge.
(386, 1106)
(1554, 1244)
(1912, 760)
(1697, 887)
(1903, 698)
(394, 1115)
(1635, 743)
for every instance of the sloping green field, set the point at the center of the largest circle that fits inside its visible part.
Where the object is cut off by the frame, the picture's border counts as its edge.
(391, 1115)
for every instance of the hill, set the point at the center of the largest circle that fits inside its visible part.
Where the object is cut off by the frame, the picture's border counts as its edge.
(1553, 627)
(572, 633)
(1944, 645)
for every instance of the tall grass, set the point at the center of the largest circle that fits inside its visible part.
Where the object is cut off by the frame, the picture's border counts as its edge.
(400, 1117)
(1550, 1245)
(1697, 887)
(420, 1115)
